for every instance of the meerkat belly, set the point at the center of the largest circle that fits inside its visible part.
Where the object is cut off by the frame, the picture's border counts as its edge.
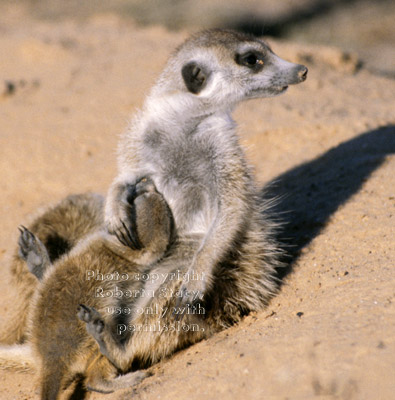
(193, 206)
(193, 209)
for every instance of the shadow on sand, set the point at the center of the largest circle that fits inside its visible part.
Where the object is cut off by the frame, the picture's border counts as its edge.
(310, 193)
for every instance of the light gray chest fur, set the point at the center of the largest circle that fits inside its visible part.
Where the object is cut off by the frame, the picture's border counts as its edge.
(187, 168)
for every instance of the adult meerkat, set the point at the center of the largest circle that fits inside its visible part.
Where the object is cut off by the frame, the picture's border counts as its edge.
(185, 141)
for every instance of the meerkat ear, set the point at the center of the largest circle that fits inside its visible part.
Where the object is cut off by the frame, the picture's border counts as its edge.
(195, 76)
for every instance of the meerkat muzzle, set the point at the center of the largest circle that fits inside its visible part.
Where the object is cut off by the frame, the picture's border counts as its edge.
(302, 73)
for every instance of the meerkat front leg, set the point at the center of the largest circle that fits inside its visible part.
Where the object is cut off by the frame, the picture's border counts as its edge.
(32, 250)
(230, 221)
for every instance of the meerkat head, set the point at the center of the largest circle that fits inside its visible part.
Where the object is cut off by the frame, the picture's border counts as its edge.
(219, 68)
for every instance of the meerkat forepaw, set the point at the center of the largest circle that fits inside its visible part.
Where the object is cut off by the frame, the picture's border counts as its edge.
(33, 252)
(122, 222)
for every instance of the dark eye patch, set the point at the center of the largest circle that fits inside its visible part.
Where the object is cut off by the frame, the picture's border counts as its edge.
(251, 59)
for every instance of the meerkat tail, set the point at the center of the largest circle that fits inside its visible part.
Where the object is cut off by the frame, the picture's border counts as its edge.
(17, 358)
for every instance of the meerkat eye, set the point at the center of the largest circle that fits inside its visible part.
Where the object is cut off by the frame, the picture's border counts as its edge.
(251, 59)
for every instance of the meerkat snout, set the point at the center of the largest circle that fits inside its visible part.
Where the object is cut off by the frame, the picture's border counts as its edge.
(302, 73)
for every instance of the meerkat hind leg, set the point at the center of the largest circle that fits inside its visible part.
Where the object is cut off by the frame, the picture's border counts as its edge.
(130, 198)
(128, 194)
(33, 251)
(95, 326)
(120, 382)
(147, 223)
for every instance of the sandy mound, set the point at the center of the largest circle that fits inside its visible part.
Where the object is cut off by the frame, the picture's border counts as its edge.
(328, 149)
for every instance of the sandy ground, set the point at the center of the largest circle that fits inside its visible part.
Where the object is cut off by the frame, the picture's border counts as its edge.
(327, 147)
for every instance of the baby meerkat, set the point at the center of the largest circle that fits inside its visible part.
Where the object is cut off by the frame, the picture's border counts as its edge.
(61, 345)
(59, 228)
(184, 142)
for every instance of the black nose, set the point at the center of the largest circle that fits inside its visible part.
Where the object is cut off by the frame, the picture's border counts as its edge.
(302, 73)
